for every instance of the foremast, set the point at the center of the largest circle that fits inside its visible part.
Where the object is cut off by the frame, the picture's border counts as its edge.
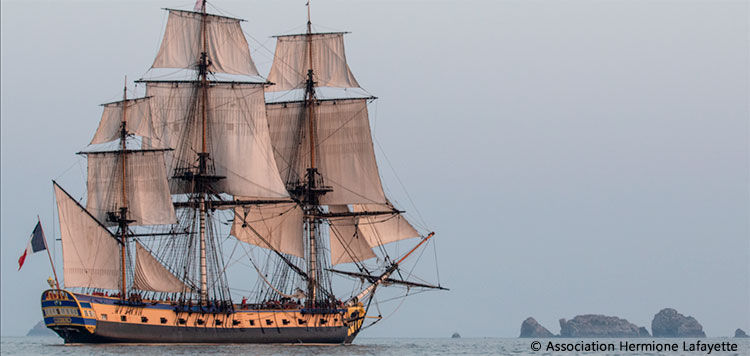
(324, 150)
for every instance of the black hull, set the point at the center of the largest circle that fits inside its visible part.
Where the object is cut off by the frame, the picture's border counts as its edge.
(112, 332)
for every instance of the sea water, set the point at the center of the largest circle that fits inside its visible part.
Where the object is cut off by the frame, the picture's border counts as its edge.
(362, 346)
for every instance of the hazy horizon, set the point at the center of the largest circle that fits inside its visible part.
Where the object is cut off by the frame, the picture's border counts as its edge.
(576, 157)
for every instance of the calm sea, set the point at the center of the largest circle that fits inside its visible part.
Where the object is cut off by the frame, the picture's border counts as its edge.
(362, 346)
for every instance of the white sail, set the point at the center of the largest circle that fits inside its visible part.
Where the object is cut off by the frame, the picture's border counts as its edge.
(382, 229)
(279, 225)
(151, 275)
(347, 243)
(226, 46)
(292, 61)
(138, 115)
(344, 152)
(147, 191)
(91, 255)
(237, 136)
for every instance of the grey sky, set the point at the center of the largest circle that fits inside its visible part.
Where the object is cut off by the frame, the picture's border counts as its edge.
(574, 157)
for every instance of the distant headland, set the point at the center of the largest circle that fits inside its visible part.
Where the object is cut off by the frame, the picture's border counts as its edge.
(40, 330)
(666, 323)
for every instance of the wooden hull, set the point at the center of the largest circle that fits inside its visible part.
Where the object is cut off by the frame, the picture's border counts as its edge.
(81, 318)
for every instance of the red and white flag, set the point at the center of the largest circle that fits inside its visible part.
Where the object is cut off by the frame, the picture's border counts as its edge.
(198, 5)
(36, 243)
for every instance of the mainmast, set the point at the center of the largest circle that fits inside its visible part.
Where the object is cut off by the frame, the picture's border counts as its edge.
(312, 191)
(203, 156)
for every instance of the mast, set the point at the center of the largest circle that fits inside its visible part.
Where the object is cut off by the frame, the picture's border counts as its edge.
(202, 156)
(122, 221)
(311, 198)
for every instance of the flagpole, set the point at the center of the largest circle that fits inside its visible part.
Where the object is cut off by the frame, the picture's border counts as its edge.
(46, 247)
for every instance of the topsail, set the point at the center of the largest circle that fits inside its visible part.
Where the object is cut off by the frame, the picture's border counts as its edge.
(138, 120)
(227, 48)
(236, 131)
(146, 189)
(344, 149)
(292, 61)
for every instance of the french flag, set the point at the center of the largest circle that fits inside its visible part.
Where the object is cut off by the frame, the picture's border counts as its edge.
(36, 244)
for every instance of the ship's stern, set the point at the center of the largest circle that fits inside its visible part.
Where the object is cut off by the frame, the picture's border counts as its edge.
(74, 321)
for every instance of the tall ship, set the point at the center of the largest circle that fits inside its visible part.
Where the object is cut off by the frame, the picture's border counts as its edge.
(218, 167)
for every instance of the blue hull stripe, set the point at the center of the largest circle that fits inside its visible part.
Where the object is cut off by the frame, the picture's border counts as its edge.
(59, 303)
(73, 320)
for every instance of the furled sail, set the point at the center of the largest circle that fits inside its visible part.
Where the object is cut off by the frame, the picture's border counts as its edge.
(382, 229)
(90, 252)
(147, 191)
(151, 275)
(226, 46)
(347, 243)
(237, 136)
(344, 149)
(292, 61)
(279, 225)
(138, 113)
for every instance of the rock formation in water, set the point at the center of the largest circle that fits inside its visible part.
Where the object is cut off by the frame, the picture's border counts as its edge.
(456, 336)
(40, 330)
(530, 328)
(740, 333)
(669, 323)
(592, 325)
